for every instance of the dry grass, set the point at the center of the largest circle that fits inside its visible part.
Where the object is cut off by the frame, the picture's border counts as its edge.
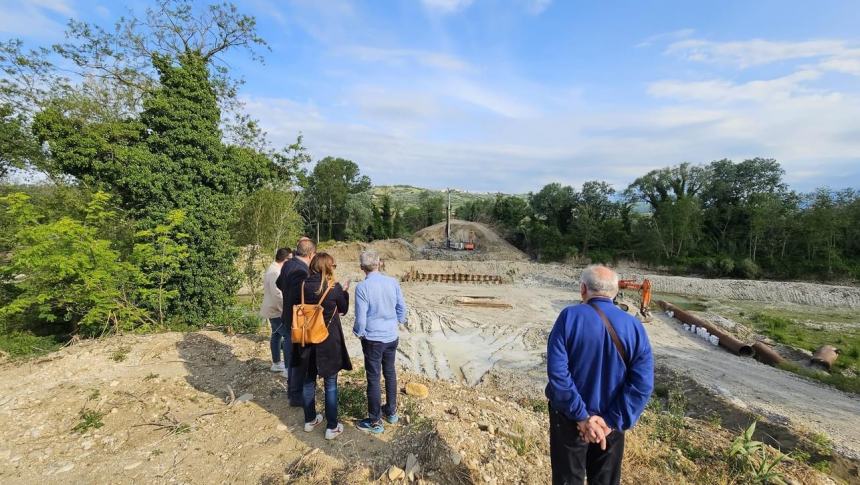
(666, 444)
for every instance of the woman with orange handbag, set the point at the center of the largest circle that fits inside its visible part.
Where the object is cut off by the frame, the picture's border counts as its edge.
(327, 358)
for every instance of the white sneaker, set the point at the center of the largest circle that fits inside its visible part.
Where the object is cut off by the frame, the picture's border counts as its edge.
(278, 367)
(285, 373)
(313, 424)
(331, 434)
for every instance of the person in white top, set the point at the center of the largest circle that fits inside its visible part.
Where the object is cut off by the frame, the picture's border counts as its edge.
(273, 308)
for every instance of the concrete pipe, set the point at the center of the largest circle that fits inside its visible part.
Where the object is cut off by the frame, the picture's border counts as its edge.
(766, 354)
(825, 356)
(727, 340)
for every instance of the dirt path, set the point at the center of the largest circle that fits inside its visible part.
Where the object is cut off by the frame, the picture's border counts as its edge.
(780, 396)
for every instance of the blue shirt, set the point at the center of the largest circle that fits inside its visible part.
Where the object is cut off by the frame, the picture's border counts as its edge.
(379, 307)
(587, 375)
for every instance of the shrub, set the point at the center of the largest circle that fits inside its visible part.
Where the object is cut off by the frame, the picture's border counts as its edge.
(726, 266)
(63, 271)
(747, 268)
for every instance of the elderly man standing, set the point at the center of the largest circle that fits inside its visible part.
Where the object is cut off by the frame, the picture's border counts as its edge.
(379, 308)
(601, 374)
(293, 273)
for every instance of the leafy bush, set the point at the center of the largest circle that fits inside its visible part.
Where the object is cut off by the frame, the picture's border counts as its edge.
(726, 266)
(747, 268)
(63, 270)
(752, 458)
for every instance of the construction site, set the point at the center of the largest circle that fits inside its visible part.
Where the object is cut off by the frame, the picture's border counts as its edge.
(479, 313)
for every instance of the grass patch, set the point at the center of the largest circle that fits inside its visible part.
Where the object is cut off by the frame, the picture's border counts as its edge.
(352, 400)
(120, 354)
(90, 419)
(521, 442)
(538, 405)
(788, 328)
(151, 376)
(25, 344)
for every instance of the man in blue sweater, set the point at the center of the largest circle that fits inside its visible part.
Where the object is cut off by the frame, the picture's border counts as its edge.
(601, 374)
(379, 309)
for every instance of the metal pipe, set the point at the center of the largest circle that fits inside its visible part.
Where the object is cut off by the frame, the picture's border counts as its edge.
(766, 354)
(727, 340)
(825, 356)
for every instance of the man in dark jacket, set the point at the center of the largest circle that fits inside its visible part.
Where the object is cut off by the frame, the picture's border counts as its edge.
(601, 374)
(293, 273)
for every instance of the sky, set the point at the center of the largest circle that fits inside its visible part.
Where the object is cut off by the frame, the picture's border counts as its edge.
(509, 95)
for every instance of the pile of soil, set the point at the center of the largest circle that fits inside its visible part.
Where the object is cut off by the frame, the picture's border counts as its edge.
(388, 249)
(488, 244)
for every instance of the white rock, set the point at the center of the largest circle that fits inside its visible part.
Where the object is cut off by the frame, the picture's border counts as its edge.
(282, 427)
(456, 458)
(131, 466)
(114, 383)
(66, 467)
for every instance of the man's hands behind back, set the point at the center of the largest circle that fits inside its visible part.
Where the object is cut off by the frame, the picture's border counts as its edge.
(594, 430)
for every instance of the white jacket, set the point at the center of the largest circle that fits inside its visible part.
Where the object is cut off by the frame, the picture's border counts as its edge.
(273, 299)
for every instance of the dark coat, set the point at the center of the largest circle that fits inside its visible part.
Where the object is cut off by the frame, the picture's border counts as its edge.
(329, 356)
(293, 273)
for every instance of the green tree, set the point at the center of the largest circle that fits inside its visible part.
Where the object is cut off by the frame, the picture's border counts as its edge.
(431, 208)
(328, 188)
(159, 252)
(592, 209)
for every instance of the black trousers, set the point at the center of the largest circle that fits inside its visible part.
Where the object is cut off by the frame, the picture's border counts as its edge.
(573, 459)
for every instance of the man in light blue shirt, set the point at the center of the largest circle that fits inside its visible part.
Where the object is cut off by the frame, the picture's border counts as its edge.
(379, 309)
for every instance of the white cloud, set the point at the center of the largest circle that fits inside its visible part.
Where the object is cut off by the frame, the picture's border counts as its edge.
(446, 6)
(37, 18)
(834, 55)
(662, 37)
(536, 7)
(399, 56)
(723, 91)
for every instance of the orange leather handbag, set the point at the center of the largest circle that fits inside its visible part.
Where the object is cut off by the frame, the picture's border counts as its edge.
(308, 322)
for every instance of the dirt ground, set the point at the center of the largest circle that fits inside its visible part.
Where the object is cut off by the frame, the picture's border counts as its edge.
(163, 399)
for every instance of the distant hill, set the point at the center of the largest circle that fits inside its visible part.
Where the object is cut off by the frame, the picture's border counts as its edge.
(409, 195)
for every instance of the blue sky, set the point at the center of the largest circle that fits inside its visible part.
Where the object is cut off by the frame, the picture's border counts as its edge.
(508, 95)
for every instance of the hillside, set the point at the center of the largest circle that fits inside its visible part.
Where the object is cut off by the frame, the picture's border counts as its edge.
(409, 195)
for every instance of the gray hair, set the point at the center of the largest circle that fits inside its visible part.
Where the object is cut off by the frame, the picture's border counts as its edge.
(369, 260)
(600, 280)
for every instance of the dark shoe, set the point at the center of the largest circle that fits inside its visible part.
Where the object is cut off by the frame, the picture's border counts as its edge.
(370, 426)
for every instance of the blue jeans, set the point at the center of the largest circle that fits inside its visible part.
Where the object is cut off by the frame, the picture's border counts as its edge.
(309, 401)
(379, 358)
(280, 341)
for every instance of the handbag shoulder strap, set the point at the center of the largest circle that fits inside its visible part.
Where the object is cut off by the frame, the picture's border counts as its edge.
(612, 334)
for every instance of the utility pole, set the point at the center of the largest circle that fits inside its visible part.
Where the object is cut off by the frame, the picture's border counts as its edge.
(318, 231)
(448, 221)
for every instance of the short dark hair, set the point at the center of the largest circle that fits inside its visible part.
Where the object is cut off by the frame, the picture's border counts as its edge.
(282, 254)
(305, 247)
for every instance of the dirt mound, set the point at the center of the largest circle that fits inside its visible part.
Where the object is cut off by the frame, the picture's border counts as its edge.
(388, 249)
(488, 244)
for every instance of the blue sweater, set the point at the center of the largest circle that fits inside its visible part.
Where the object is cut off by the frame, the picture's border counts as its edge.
(587, 375)
(379, 307)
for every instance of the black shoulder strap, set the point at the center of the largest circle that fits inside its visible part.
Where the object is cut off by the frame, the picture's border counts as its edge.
(611, 330)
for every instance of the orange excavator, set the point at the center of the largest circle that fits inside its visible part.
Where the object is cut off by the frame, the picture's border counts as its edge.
(644, 290)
